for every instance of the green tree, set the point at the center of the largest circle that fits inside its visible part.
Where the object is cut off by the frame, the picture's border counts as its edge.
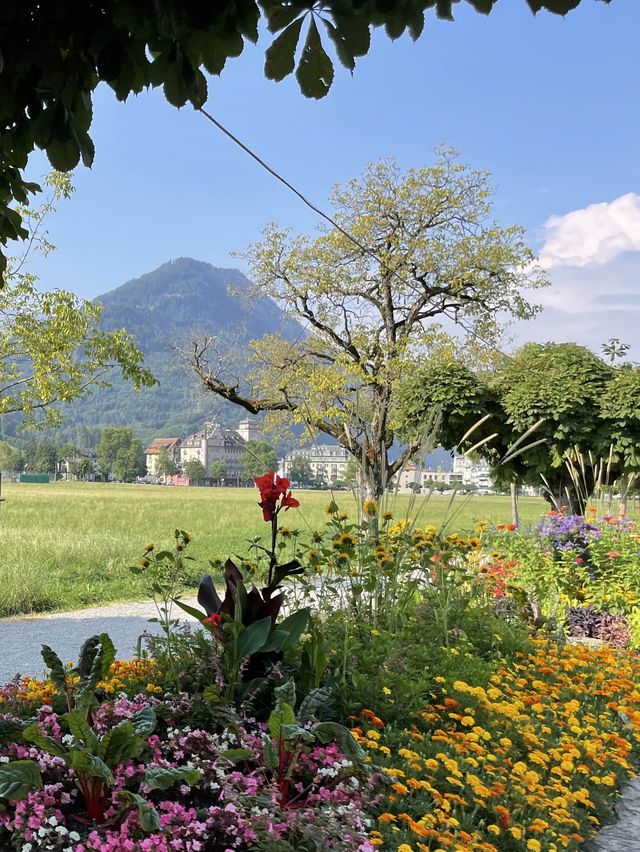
(121, 453)
(11, 459)
(46, 456)
(217, 471)
(584, 412)
(51, 348)
(300, 471)
(195, 470)
(257, 458)
(352, 473)
(66, 451)
(428, 250)
(129, 462)
(52, 63)
(165, 466)
(85, 468)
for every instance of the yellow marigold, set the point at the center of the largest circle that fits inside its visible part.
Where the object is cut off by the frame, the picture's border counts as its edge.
(533, 845)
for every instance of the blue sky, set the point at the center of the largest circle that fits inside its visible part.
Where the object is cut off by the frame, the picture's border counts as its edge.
(549, 105)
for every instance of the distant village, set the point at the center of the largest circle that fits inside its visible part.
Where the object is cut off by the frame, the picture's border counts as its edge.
(221, 457)
(327, 464)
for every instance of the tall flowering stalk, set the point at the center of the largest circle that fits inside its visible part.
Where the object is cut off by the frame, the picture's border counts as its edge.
(275, 495)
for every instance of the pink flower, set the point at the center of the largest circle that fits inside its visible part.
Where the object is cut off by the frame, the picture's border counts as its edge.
(613, 554)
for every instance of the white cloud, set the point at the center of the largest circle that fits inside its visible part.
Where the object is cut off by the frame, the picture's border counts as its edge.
(593, 235)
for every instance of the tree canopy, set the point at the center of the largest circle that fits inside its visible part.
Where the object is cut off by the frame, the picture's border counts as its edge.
(195, 470)
(584, 413)
(428, 252)
(257, 458)
(53, 56)
(120, 453)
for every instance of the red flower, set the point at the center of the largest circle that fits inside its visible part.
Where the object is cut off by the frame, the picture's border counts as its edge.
(613, 554)
(274, 488)
(512, 527)
(213, 621)
(500, 527)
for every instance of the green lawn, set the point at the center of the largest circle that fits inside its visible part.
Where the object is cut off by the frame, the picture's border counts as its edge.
(68, 545)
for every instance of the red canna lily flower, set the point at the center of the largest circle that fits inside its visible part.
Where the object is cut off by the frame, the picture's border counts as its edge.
(274, 488)
(213, 621)
(512, 527)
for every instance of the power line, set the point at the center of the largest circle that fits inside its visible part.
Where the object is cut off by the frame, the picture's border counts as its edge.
(365, 249)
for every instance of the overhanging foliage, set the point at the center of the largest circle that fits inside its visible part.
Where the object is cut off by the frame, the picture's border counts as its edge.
(53, 55)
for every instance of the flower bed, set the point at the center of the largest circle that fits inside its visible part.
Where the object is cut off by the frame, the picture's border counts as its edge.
(529, 761)
(231, 737)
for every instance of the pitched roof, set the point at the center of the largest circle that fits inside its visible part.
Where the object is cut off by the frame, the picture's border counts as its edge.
(157, 443)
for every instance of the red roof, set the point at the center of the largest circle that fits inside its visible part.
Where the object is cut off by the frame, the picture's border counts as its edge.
(157, 443)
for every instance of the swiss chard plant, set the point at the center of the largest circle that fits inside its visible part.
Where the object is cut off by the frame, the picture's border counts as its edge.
(93, 758)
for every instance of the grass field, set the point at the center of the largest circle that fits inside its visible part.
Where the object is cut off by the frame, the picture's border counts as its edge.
(68, 545)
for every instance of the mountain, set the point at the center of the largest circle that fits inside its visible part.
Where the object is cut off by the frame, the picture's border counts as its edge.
(166, 306)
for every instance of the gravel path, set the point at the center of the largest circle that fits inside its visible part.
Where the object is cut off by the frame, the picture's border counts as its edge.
(22, 638)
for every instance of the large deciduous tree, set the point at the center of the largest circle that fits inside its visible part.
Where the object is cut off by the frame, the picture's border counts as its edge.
(427, 250)
(120, 453)
(53, 55)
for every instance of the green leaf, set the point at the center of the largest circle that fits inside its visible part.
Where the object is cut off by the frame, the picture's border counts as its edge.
(144, 721)
(88, 765)
(33, 734)
(120, 744)
(283, 715)
(11, 730)
(280, 55)
(108, 654)
(80, 730)
(18, 779)
(276, 641)
(315, 69)
(190, 610)
(57, 672)
(312, 703)
(354, 32)
(269, 754)
(161, 778)
(235, 755)
(295, 625)
(63, 156)
(211, 694)
(147, 814)
(286, 693)
(253, 637)
(176, 89)
(279, 15)
(328, 732)
(342, 48)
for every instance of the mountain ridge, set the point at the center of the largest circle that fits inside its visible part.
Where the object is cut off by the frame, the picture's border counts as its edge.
(164, 306)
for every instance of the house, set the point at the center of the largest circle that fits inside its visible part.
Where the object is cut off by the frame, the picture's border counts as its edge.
(413, 477)
(171, 445)
(476, 472)
(215, 443)
(328, 462)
